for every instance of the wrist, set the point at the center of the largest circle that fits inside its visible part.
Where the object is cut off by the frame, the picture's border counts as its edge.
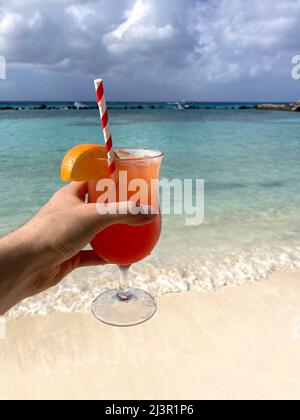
(17, 267)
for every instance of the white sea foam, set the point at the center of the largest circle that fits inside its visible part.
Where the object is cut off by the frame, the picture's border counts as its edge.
(203, 273)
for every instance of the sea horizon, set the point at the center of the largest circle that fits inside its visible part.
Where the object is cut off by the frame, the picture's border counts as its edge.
(130, 105)
(267, 101)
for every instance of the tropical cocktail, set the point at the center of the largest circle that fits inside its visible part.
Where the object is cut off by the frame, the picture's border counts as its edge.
(135, 181)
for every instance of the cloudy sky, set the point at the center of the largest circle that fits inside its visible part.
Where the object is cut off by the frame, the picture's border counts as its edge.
(214, 50)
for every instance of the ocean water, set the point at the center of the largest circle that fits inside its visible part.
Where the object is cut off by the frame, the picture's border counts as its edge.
(250, 163)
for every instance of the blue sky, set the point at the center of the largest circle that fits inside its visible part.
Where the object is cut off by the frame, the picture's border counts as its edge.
(207, 50)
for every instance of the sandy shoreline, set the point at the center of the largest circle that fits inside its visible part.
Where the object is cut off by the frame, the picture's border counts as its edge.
(238, 343)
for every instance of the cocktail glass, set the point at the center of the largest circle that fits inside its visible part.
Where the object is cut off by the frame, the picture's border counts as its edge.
(125, 245)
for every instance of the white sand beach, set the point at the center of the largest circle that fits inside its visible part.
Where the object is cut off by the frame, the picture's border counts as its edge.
(239, 343)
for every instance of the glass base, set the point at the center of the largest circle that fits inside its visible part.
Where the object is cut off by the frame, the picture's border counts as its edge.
(124, 310)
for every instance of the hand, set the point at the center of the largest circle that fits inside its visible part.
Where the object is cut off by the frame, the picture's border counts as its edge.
(40, 254)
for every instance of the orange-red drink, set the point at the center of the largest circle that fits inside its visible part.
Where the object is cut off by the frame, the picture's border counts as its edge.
(122, 244)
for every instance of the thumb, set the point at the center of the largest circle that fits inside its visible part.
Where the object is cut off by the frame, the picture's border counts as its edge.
(101, 216)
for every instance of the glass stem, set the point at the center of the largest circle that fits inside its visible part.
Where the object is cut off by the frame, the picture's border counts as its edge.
(124, 287)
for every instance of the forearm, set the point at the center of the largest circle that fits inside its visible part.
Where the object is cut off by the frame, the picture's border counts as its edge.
(17, 264)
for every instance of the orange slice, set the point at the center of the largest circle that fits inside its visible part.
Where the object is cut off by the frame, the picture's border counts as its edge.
(81, 164)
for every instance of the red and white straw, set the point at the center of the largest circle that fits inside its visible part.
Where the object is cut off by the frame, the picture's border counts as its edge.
(105, 125)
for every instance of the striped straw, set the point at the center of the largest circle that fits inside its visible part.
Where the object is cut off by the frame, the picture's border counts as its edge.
(105, 125)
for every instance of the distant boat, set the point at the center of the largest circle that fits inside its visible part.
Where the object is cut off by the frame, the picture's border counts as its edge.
(184, 105)
(179, 106)
(79, 105)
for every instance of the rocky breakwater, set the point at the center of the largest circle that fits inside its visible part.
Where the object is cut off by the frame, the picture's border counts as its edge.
(292, 107)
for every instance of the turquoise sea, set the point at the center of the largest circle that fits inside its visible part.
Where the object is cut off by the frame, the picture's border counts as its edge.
(249, 160)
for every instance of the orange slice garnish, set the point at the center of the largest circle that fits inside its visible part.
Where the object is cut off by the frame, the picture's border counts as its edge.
(86, 162)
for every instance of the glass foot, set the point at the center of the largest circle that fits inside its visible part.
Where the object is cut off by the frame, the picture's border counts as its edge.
(124, 310)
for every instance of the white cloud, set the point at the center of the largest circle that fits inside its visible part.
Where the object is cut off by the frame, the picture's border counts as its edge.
(11, 23)
(199, 41)
(138, 32)
(133, 17)
(14, 25)
(238, 39)
(81, 15)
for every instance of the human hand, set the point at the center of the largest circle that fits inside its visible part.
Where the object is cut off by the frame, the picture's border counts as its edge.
(40, 254)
